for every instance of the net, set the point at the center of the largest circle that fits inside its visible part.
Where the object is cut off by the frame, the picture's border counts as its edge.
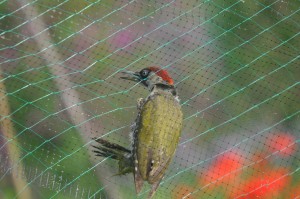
(236, 69)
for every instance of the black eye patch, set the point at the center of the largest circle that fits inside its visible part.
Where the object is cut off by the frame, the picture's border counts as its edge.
(145, 73)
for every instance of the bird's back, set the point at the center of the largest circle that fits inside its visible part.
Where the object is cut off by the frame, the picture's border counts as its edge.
(157, 135)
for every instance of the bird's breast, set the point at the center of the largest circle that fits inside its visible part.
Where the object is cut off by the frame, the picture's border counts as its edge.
(157, 133)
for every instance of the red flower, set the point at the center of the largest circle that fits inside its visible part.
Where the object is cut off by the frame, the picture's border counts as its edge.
(265, 185)
(283, 143)
(224, 169)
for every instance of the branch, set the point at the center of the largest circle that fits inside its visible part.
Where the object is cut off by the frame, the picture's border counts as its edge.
(13, 152)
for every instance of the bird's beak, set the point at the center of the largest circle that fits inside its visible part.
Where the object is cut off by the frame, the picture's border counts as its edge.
(132, 76)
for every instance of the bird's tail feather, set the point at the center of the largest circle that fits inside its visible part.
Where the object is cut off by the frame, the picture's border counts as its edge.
(108, 149)
(116, 152)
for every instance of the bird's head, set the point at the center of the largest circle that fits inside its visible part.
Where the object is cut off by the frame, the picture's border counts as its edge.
(150, 77)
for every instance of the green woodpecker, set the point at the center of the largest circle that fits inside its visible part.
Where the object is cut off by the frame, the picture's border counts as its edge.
(155, 133)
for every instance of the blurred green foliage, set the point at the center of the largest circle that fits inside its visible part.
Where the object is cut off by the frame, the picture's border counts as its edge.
(244, 59)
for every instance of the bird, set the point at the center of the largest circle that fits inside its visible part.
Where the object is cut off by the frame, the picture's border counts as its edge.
(155, 132)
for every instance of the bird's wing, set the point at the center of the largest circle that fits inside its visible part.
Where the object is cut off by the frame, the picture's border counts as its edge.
(156, 138)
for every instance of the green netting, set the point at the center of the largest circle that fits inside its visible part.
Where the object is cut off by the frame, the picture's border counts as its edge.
(236, 67)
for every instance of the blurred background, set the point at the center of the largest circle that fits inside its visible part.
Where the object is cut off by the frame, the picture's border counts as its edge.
(236, 67)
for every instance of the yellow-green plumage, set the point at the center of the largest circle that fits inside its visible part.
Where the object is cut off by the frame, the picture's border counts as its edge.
(156, 137)
(156, 131)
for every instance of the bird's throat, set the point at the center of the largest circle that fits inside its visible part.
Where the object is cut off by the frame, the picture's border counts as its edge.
(164, 88)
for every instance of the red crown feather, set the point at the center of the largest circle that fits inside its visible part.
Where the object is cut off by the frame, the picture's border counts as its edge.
(162, 73)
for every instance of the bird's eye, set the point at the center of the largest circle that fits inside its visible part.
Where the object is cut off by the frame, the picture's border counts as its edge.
(144, 73)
